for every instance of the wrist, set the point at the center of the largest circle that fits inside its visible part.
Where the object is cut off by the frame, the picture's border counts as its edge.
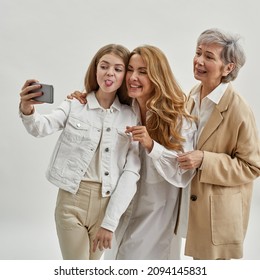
(201, 165)
(27, 111)
(150, 147)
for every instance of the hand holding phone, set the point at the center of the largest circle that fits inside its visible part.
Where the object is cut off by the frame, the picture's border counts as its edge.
(47, 93)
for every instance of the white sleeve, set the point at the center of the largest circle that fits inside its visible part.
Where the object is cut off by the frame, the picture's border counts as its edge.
(126, 186)
(166, 164)
(42, 125)
(125, 190)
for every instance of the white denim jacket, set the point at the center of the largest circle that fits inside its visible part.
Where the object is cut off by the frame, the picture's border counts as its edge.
(82, 131)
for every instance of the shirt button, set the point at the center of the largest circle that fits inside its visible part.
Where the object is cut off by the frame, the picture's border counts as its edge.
(78, 125)
(108, 129)
(108, 192)
(106, 173)
(106, 149)
(193, 197)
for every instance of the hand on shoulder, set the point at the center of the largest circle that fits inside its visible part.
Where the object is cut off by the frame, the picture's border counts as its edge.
(80, 96)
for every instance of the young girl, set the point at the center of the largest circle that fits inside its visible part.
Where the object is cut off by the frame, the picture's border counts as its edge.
(95, 164)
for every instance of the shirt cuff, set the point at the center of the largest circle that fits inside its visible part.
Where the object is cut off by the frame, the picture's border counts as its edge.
(157, 151)
(23, 116)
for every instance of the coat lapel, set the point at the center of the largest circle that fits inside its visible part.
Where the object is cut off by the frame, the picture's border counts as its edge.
(190, 101)
(190, 104)
(216, 117)
(212, 124)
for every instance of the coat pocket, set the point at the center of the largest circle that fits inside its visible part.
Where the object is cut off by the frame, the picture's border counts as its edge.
(226, 219)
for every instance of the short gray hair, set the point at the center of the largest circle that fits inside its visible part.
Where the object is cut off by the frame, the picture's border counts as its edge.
(232, 51)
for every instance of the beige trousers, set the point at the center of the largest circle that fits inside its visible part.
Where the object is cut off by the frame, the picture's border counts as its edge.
(78, 218)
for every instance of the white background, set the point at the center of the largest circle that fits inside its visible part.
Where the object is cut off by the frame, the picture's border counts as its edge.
(53, 41)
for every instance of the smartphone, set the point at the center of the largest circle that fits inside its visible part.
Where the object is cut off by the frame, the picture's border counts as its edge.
(47, 93)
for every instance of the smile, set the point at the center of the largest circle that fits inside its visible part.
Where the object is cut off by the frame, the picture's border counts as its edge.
(135, 86)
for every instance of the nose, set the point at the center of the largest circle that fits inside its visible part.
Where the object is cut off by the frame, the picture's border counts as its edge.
(200, 60)
(110, 71)
(132, 76)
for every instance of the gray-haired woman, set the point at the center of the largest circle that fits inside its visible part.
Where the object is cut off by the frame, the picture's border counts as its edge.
(227, 155)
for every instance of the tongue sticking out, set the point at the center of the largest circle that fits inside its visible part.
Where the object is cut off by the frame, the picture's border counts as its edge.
(108, 83)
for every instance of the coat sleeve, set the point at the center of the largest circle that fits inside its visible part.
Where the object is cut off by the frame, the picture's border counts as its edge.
(243, 164)
(165, 161)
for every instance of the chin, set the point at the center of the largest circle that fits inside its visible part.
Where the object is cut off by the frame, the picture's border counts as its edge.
(132, 94)
(197, 77)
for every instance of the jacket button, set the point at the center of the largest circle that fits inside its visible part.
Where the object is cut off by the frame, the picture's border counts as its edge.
(193, 197)
(106, 149)
(108, 192)
(106, 173)
(108, 129)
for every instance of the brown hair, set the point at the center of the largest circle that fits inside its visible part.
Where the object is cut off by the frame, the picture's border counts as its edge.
(90, 77)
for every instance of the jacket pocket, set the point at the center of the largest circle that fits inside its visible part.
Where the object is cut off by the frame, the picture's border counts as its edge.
(121, 142)
(76, 131)
(226, 219)
(69, 150)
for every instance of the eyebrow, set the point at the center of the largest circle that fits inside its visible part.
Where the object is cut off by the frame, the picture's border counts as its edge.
(208, 52)
(118, 64)
(212, 53)
(139, 68)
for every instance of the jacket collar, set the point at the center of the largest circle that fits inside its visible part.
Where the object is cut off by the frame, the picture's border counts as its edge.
(93, 102)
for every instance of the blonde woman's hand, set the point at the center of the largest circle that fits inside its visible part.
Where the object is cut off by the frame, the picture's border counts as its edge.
(78, 95)
(103, 239)
(140, 133)
(26, 98)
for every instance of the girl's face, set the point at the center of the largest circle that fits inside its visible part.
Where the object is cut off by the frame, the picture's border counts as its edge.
(138, 84)
(208, 66)
(110, 73)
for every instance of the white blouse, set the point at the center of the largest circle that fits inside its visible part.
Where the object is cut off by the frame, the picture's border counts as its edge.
(146, 230)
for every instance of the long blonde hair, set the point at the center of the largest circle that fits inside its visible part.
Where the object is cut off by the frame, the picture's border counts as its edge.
(167, 106)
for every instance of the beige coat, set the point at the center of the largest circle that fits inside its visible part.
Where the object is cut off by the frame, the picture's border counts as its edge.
(221, 192)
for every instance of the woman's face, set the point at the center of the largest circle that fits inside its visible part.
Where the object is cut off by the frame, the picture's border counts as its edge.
(208, 66)
(138, 84)
(110, 73)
